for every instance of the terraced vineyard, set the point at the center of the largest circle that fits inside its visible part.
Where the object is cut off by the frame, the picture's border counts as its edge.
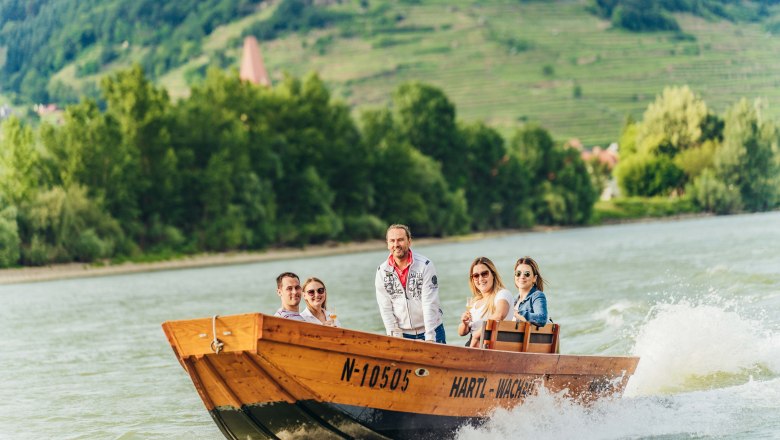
(510, 62)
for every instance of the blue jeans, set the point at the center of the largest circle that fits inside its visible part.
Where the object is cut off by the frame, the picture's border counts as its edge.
(440, 336)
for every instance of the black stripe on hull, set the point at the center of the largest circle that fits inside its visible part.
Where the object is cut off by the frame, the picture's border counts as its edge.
(317, 420)
(406, 425)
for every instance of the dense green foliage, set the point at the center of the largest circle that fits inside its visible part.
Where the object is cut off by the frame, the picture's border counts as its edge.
(293, 16)
(723, 164)
(236, 166)
(43, 36)
(655, 15)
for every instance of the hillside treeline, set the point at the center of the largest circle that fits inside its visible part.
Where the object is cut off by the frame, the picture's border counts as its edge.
(41, 37)
(235, 166)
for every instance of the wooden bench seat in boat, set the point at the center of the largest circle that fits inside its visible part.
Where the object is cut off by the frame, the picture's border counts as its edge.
(519, 336)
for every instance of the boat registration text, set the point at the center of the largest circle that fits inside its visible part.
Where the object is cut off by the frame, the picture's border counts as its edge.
(394, 378)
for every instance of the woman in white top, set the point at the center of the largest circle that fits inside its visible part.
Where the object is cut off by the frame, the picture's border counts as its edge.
(316, 297)
(490, 299)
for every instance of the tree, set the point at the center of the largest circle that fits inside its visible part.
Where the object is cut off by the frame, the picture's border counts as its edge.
(9, 236)
(142, 113)
(409, 185)
(426, 117)
(648, 175)
(673, 123)
(88, 150)
(309, 130)
(561, 191)
(628, 136)
(711, 194)
(65, 224)
(575, 185)
(673, 143)
(497, 182)
(19, 162)
(227, 163)
(748, 158)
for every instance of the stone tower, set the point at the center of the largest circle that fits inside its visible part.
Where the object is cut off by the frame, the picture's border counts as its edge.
(252, 67)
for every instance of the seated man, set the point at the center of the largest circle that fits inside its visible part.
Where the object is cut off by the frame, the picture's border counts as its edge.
(288, 287)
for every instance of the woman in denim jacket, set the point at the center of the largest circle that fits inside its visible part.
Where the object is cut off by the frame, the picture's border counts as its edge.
(531, 304)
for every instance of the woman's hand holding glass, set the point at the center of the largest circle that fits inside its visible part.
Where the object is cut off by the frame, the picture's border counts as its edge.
(331, 318)
(466, 317)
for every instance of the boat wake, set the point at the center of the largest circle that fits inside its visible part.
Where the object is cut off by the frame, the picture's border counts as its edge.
(701, 364)
(687, 346)
(700, 414)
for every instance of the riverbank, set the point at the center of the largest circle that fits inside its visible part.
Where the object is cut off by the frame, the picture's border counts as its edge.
(81, 270)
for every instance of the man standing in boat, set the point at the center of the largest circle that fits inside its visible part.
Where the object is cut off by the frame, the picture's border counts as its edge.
(288, 287)
(407, 291)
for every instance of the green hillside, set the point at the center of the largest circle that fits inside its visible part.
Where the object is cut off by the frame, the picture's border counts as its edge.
(505, 62)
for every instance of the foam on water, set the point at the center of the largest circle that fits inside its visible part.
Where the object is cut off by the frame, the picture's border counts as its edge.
(613, 315)
(702, 414)
(687, 345)
(703, 363)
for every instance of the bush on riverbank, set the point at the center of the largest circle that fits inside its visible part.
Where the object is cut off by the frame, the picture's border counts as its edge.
(632, 208)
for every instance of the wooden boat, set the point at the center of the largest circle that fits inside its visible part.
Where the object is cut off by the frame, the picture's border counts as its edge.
(263, 377)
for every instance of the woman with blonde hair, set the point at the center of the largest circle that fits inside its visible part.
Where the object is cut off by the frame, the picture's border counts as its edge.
(316, 296)
(489, 299)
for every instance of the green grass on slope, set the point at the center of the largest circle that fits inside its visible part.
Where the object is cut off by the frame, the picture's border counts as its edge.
(509, 62)
(491, 61)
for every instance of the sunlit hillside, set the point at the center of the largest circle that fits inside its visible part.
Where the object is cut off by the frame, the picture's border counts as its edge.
(505, 62)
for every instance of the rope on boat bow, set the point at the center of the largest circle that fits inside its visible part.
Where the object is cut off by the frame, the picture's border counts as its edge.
(216, 344)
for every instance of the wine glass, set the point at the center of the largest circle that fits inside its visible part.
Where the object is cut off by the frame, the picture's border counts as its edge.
(332, 313)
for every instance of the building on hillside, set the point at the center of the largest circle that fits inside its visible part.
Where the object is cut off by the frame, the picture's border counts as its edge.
(608, 157)
(49, 112)
(252, 67)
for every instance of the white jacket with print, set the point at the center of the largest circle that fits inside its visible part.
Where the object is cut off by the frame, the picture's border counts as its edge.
(416, 309)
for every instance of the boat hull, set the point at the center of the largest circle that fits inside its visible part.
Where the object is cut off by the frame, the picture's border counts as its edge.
(317, 420)
(278, 378)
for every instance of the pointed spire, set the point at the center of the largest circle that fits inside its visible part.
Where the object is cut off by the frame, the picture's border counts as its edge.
(252, 67)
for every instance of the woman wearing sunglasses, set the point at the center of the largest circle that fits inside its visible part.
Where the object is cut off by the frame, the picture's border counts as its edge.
(316, 297)
(489, 299)
(531, 304)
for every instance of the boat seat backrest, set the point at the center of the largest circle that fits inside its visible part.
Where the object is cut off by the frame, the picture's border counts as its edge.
(519, 336)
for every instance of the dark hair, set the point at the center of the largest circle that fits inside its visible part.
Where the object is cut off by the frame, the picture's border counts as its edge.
(284, 275)
(534, 267)
(400, 226)
(315, 280)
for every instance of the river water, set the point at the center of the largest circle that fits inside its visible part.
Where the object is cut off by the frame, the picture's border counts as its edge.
(697, 299)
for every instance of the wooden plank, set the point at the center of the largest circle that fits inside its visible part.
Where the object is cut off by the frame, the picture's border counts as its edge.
(354, 342)
(526, 336)
(522, 336)
(194, 337)
(507, 346)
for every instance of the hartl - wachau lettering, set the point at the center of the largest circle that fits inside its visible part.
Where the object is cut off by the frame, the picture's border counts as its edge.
(507, 388)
